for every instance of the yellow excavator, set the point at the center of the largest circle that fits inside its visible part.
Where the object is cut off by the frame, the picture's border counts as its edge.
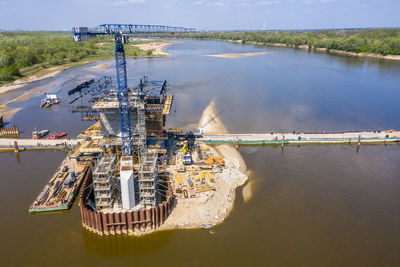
(185, 148)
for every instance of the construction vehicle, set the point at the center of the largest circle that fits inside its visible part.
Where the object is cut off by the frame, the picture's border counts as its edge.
(187, 159)
(210, 178)
(215, 160)
(179, 179)
(185, 148)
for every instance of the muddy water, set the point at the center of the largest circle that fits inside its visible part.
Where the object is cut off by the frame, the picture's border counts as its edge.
(312, 205)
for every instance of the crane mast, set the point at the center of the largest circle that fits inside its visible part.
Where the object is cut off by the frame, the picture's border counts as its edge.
(120, 31)
(123, 97)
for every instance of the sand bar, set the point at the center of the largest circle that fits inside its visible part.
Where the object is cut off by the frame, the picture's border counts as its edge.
(156, 47)
(100, 66)
(237, 55)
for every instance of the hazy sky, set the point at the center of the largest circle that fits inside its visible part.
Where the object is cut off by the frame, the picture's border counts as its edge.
(201, 14)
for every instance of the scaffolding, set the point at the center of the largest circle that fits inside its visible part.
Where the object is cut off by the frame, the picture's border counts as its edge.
(149, 107)
(149, 103)
(148, 174)
(104, 179)
(140, 130)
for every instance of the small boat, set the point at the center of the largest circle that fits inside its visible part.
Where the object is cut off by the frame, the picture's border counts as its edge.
(39, 134)
(56, 136)
(49, 100)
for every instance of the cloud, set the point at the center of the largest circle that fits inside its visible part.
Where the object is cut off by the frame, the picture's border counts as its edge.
(217, 3)
(127, 2)
(267, 3)
(327, 1)
(237, 3)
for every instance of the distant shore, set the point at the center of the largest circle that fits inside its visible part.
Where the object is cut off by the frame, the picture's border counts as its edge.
(326, 50)
(306, 47)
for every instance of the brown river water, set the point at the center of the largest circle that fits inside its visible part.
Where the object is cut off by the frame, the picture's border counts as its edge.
(316, 205)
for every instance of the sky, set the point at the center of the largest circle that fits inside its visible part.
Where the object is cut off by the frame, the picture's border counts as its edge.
(200, 14)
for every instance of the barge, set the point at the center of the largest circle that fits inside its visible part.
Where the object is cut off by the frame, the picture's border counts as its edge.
(61, 190)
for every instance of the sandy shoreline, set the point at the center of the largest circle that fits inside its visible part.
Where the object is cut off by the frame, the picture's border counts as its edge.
(157, 47)
(99, 66)
(40, 75)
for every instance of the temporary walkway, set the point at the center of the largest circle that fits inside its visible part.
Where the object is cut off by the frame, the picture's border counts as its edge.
(37, 144)
(305, 138)
(238, 139)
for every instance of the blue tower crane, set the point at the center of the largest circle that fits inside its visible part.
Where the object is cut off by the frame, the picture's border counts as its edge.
(120, 33)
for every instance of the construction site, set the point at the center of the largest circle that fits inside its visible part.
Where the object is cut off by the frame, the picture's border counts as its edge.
(133, 194)
(129, 167)
(132, 173)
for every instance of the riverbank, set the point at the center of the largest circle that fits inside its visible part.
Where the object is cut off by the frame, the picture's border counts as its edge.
(157, 48)
(306, 47)
(325, 50)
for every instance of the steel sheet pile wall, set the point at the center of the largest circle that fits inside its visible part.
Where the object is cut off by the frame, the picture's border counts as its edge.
(134, 222)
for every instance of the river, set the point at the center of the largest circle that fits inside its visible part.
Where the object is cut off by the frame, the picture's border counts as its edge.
(316, 205)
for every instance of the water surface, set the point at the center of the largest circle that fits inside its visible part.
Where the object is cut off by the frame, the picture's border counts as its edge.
(312, 205)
